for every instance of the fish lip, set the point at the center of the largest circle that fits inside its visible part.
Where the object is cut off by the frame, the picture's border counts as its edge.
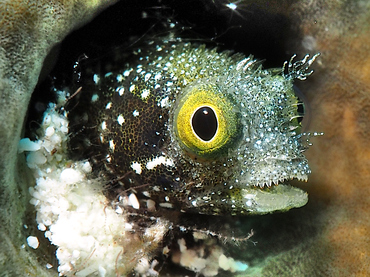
(281, 198)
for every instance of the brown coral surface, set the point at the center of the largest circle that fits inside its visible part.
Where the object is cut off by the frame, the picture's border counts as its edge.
(340, 97)
(339, 188)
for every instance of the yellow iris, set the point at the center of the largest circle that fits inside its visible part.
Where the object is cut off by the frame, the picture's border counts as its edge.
(206, 122)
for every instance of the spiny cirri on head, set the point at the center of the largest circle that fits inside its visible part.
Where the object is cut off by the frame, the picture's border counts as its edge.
(179, 126)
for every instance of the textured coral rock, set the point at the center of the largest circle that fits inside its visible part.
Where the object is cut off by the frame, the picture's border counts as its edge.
(341, 158)
(28, 30)
(339, 187)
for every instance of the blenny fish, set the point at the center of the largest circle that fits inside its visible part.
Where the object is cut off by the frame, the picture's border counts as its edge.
(179, 126)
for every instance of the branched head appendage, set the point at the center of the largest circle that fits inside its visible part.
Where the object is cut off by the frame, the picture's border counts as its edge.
(299, 69)
(305, 138)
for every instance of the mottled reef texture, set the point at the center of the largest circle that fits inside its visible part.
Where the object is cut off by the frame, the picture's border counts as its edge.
(339, 188)
(28, 30)
(339, 92)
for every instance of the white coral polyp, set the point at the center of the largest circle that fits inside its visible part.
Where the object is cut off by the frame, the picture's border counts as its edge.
(89, 234)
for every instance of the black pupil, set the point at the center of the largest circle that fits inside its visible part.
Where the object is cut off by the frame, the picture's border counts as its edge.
(204, 123)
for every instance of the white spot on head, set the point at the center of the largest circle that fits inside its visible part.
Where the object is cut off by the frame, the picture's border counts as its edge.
(104, 125)
(158, 161)
(112, 146)
(108, 158)
(157, 76)
(132, 201)
(145, 93)
(136, 167)
(96, 78)
(108, 106)
(120, 78)
(146, 193)
(164, 102)
(150, 204)
(135, 113)
(94, 98)
(120, 119)
(101, 138)
(166, 205)
(147, 77)
(127, 72)
(121, 90)
(132, 88)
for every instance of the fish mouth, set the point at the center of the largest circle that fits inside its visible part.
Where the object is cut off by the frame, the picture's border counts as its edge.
(277, 195)
(271, 199)
(272, 183)
(249, 199)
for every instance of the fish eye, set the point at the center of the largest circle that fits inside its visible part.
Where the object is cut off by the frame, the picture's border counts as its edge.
(206, 122)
